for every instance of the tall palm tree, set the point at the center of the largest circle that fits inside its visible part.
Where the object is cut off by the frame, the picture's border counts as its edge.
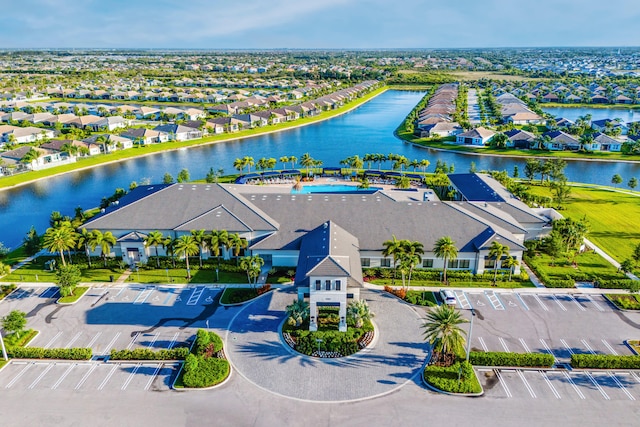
(216, 240)
(252, 265)
(84, 238)
(413, 252)
(496, 251)
(403, 182)
(59, 239)
(155, 239)
(248, 162)
(186, 246)
(293, 160)
(169, 245)
(239, 165)
(393, 248)
(200, 236)
(424, 164)
(511, 263)
(446, 249)
(236, 244)
(284, 160)
(442, 330)
(105, 240)
(307, 161)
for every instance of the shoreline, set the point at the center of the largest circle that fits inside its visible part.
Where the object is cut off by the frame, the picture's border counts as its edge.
(199, 144)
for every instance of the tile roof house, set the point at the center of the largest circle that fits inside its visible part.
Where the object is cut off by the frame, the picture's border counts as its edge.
(560, 141)
(520, 139)
(179, 132)
(477, 137)
(145, 136)
(602, 142)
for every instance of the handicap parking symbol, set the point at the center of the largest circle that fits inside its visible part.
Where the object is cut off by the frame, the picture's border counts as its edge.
(480, 304)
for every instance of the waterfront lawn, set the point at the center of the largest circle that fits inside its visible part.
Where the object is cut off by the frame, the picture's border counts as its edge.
(612, 216)
(589, 265)
(15, 256)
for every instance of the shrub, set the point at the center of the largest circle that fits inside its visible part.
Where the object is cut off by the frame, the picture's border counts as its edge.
(263, 289)
(613, 284)
(179, 353)
(204, 372)
(207, 342)
(559, 283)
(497, 358)
(6, 290)
(445, 378)
(627, 302)
(50, 353)
(604, 361)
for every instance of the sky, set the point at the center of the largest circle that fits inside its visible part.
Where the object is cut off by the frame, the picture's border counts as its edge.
(317, 24)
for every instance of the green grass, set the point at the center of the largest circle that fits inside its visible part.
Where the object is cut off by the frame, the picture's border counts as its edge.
(627, 302)
(25, 338)
(586, 105)
(237, 295)
(137, 151)
(612, 217)
(635, 344)
(6, 290)
(77, 293)
(3, 362)
(464, 284)
(446, 378)
(589, 265)
(424, 298)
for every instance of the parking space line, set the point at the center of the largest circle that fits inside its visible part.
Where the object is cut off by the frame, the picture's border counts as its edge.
(20, 374)
(586, 344)
(153, 376)
(637, 378)
(524, 345)
(42, 374)
(153, 341)
(484, 346)
(559, 303)
(575, 301)
(173, 340)
(85, 376)
(611, 349)
(142, 297)
(45, 293)
(573, 384)
(544, 307)
(524, 304)
(622, 387)
(108, 377)
(462, 300)
(494, 300)
(64, 375)
(564, 343)
(73, 340)
(551, 386)
(121, 291)
(135, 337)
(526, 384)
(595, 383)
(598, 306)
(130, 377)
(504, 344)
(170, 293)
(547, 348)
(94, 339)
(113, 341)
(503, 384)
(195, 295)
(52, 340)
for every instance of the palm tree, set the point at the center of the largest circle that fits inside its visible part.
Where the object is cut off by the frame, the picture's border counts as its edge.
(59, 239)
(424, 164)
(252, 265)
(169, 245)
(446, 249)
(403, 182)
(200, 237)
(84, 238)
(442, 330)
(284, 160)
(69, 149)
(155, 239)
(393, 248)
(298, 312)
(307, 161)
(511, 263)
(105, 240)
(412, 255)
(236, 244)
(496, 251)
(293, 160)
(215, 241)
(248, 162)
(359, 312)
(30, 156)
(186, 245)
(239, 165)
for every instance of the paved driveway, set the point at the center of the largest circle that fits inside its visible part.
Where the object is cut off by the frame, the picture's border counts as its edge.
(395, 358)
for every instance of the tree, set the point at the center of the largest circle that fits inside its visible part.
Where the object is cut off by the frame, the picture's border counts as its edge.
(167, 178)
(105, 241)
(284, 160)
(635, 255)
(442, 330)
(186, 245)
(183, 175)
(14, 322)
(403, 182)
(252, 265)
(472, 167)
(616, 179)
(248, 162)
(633, 183)
(496, 251)
(560, 191)
(155, 239)
(626, 266)
(200, 237)
(169, 245)
(236, 244)
(499, 140)
(68, 277)
(216, 240)
(307, 161)
(511, 263)
(32, 242)
(297, 312)
(84, 239)
(393, 248)
(531, 168)
(446, 249)
(359, 312)
(571, 232)
(239, 165)
(213, 175)
(516, 172)
(411, 257)
(59, 240)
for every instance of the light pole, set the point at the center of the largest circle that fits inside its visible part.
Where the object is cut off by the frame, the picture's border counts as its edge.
(473, 314)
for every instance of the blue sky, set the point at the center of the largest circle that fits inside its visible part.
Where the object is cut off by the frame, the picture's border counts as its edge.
(256, 24)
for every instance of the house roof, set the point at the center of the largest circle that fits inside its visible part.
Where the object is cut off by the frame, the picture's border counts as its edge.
(561, 137)
(473, 188)
(478, 132)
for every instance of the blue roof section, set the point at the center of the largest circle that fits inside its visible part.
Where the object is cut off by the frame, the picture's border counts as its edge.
(473, 188)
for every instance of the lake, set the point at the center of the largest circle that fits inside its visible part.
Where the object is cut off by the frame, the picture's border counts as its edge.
(367, 129)
(572, 113)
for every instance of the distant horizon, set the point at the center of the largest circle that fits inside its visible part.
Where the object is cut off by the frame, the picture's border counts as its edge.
(330, 24)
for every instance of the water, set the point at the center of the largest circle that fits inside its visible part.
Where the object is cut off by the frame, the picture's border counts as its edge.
(368, 129)
(572, 113)
(334, 188)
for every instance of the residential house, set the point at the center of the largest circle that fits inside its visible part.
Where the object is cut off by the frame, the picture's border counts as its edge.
(145, 136)
(147, 113)
(229, 124)
(560, 141)
(520, 139)
(179, 132)
(442, 129)
(249, 121)
(606, 125)
(46, 158)
(82, 122)
(23, 135)
(57, 144)
(110, 123)
(603, 142)
(479, 136)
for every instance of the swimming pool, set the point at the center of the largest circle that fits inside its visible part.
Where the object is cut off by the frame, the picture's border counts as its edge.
(336, 188)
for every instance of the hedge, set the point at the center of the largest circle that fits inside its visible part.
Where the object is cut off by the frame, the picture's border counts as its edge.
(81, 353)
(204, 372)
(604, 361)
(446, 378)
(435, 275)
(179, 353)
(549, 283)
(614, 284)
(500, 358)
(207, 342)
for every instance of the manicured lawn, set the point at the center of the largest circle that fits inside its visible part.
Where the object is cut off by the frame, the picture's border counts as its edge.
(15, 256)
(627, 302)
(464, 284)
(77, 293)
(446, 378)
(589, 265)
(25, 337)
(612, 217)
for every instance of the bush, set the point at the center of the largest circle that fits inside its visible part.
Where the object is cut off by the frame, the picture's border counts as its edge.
(204, 372)
(6, 290)
(50, 353)
(207, 343)
(627, 302)
(613, 284)
(559, 283)
(445, 378)
(179, 353)
(525, 360)
(604, 361)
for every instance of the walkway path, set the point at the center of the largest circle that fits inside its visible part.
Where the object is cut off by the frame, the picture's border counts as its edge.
(254, 347)
(606, 256)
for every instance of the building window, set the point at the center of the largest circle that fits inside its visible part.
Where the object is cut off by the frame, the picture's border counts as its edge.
(463, 263)
(453, 263)
(338, 285)
(365, 262)
(318, 285)
(327, 285)
(489, 263)
(385, 262)
(427, 263)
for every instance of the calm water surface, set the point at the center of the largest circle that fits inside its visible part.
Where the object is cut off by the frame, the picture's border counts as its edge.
(572, 113)
(368, 129)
